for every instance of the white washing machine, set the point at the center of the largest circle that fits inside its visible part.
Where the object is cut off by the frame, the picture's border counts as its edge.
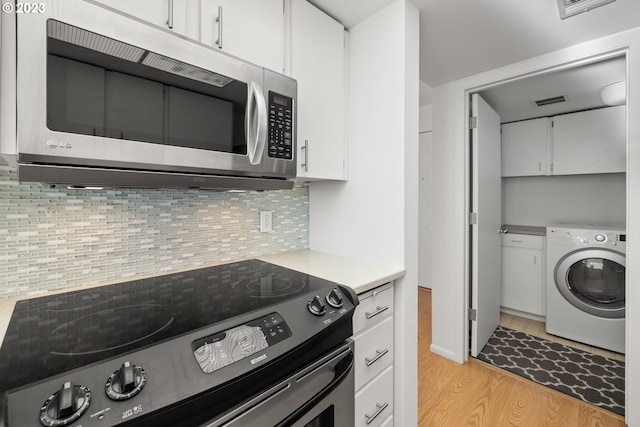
(585, 286)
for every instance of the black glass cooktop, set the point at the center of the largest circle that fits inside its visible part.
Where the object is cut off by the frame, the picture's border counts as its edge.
(53, 334)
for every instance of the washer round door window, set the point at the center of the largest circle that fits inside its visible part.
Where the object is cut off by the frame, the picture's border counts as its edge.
(593, 280)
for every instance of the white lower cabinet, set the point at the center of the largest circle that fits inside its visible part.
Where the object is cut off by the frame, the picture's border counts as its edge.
(523, 273)
(374, 351)
(373, 328)
(388, 422)
(374, 401)
(375, 306)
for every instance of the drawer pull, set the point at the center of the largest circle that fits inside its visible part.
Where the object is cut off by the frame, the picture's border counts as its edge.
(379, 410)
(378, 311)
(377, 357)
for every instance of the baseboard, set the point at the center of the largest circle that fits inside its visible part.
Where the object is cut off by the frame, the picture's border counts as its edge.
(443, 352)
(523, 314)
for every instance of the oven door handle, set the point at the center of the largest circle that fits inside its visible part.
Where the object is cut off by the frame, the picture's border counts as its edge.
(341, 370)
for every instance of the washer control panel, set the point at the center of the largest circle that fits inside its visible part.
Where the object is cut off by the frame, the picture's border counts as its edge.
(587, 237)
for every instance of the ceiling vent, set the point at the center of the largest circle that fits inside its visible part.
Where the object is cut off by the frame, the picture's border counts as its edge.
(552, 100)
(569, 8)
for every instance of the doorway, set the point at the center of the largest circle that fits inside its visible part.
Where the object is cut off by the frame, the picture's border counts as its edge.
(537, 191)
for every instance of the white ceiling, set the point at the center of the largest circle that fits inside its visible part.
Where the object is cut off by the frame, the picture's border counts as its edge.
(463, 38)
(581, 86)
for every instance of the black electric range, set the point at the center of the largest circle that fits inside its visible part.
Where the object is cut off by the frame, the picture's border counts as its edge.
(175, 349)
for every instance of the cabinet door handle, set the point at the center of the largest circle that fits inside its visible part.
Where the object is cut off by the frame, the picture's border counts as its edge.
(305, 147)
(170, 15)
(219, 21)
(535, 259)
(377, 357)
(375, 313)
(539, 166)
(379, 409)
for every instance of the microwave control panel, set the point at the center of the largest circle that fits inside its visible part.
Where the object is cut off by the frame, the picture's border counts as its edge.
(280, 126)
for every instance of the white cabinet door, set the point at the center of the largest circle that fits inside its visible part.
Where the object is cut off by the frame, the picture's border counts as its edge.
(249, 29)
(317, 63)
(524, 148)
(374, 351)
(590, 142)
(523, 273)
(163, 13)
(375, 306)
(374, 402)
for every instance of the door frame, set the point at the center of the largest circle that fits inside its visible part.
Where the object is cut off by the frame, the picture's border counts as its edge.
(468, 92)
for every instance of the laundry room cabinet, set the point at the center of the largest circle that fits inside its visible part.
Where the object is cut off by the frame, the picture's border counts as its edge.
(525, 147)
(523, 264)
(586, 142)
(589, 142)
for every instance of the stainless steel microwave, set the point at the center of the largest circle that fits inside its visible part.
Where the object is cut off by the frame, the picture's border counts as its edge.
(92, 97)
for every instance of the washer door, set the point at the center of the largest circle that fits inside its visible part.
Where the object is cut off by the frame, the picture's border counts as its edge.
(593, 280)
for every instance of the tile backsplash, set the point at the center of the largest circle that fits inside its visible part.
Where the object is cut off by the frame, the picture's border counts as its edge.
(52, 238)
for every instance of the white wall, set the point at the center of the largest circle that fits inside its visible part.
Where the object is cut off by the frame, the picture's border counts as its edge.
(374, 215)
(425, 217)
(541, 200)
(450, 204)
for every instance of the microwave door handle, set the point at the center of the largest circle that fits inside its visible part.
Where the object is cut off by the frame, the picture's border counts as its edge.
(256, 123)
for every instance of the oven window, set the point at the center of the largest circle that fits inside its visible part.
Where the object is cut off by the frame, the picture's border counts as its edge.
(325, 419)
(141, 96)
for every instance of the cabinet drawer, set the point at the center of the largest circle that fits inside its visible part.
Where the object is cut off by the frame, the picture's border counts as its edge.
(522, 241)
(374, 402)
(374, 351)
(374, 306)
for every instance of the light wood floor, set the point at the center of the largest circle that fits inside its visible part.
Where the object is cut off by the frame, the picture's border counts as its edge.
(479, 395)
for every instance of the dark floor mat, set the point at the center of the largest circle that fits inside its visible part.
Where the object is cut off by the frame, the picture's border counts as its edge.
(594, 379)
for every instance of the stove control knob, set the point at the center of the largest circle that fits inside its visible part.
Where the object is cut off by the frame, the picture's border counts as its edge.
(316, 306)
(66, 405)
(125, 382)
(334, 298)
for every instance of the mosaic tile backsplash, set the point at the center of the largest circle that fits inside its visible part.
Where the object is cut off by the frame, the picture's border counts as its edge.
(53, 238)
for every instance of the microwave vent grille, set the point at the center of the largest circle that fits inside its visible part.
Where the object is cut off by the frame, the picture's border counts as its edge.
(83, 38)
(180, 68)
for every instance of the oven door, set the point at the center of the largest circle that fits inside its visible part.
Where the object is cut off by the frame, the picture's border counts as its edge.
(97, 88)
(320, 395)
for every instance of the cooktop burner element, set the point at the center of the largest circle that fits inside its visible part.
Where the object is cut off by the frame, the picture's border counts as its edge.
(223, 330)
(131, 324)
(273, 286)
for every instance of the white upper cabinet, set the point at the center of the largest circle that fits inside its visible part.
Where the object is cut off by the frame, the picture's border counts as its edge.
(317, 63)
(171, 14)
(249, 29)
(589, 142)
(524, 148)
